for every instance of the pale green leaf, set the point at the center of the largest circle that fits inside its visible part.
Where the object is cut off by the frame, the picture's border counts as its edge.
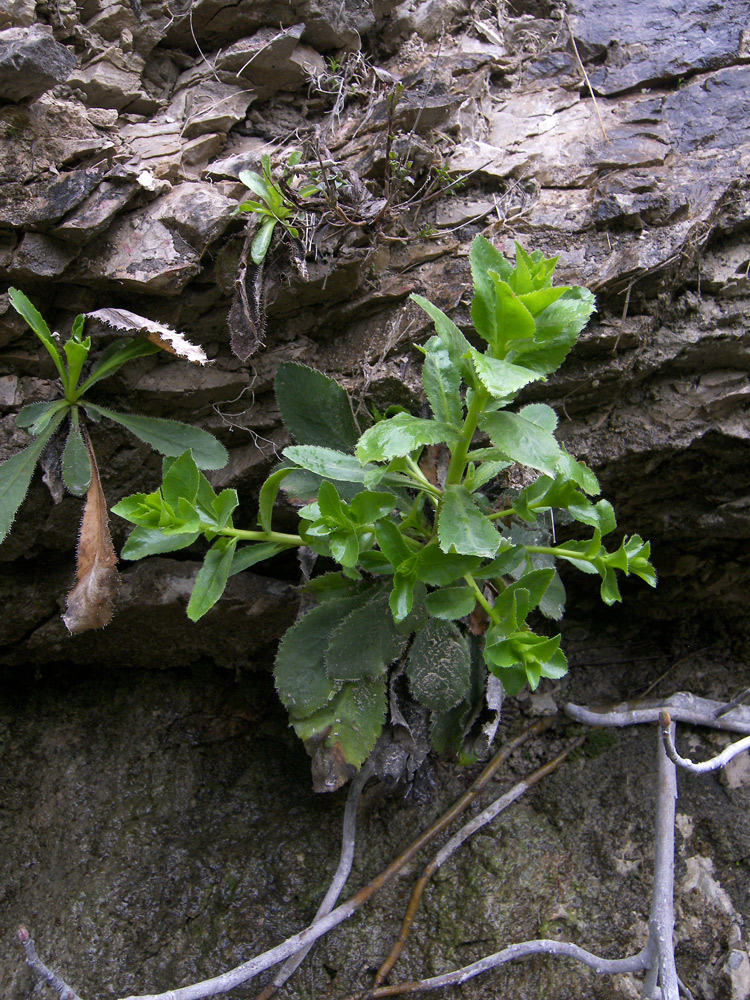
(212, 578)
(76, 462)
(400, 436)
(463, 528)
(144, 542)
(523, 441)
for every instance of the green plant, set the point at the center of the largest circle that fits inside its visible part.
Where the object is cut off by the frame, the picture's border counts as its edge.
(439, 573)
(274, 208)
(80, 475)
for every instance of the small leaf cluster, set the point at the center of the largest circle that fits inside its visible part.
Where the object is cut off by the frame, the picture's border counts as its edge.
(442, 576)
(42, 420)
(272, 206)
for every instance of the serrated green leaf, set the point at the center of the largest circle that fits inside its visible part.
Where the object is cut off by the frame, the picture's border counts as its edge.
(438, 568)
(212, 578)
(76, 462)
(299, 671)
(327, 463)
(439, 666)
(16, 473)
(315, 408)
(540, 299)
(451, 337)
(224, 505)
(392, 543)
(341, 735)
(525, 594)
(450, 603)
(523, 441)
(365, 642)
(542, 415)
(501, 378)
(441, 380)
(400, 436)
(463, 528)
(169, 437)
(144, 542)
(368, 507)
(579, 473)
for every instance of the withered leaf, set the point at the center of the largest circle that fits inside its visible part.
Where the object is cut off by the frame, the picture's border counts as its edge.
(158, 333)
(90, 602)
(247, 316)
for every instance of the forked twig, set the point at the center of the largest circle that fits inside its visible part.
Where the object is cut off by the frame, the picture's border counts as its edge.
(704, 767)
(466, 831)
(35, 963)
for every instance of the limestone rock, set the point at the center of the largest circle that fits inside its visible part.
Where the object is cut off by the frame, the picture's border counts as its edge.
(31, 62)
(16, 13)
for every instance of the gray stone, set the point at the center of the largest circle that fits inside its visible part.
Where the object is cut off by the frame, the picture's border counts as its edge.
(40, 256)
(31, 62)
(113, 80)
(270, 60)
(17, 13)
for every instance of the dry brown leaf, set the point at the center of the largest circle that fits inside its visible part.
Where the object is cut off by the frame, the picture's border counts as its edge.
(90, 602)
(158, 333)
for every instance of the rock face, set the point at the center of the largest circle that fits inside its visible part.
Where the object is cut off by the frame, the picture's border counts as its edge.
(123, 130)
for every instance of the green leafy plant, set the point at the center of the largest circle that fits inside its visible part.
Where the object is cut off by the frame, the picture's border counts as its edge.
(273, 207)
(445, 572)
(90, 607)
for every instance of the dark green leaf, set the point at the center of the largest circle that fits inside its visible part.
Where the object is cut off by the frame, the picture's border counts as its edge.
(249, 555)
(300, 673)
(262, 240)
(392, 543)
(439, 568)
(224, 505)
(36, 416)
(255, 183)
(212, 578)
(439, 666)
(76, 462)
(315, 408)
(16, 473)
(341, 735)
(365, 642)
(170, 437)
(463, 528)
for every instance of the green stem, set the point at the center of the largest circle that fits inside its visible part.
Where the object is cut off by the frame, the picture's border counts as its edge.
(481, 599)
(560, 553)
(415, 473)
(501, 513)
(458, 460)
(262, 536)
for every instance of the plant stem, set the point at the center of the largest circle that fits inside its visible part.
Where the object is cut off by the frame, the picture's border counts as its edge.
(457, 464)
(262, 536)
(560, 553)
(482, 600)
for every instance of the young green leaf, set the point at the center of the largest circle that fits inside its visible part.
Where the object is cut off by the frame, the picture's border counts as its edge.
(515, 324)
(36, 416)
(212, 578)
(115, 356)
(486, 258)
(463, 528)
(181, 480)
(438, 568)
(250, 555)
(35, 320)
(16, 473)
(327, 463)
(76, 349)
(262, 240)
(501, 378)
(144, 542)
(439, 666)
(169, 437)
(452, 339)
(255, 183)
(450, 603)
(315, 408)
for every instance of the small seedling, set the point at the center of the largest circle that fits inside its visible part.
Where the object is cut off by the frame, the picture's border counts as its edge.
(274, 208)
(443, 569)
(90, 602)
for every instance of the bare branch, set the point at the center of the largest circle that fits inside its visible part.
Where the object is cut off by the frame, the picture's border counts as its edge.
(682, 707)
(704, 767)
(35, 963)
